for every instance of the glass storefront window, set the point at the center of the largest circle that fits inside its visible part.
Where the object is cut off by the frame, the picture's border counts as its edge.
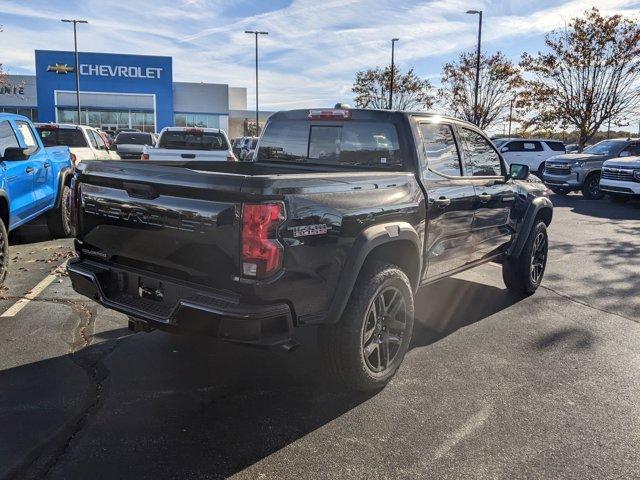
(31, 113)
(201, 120)
(110, 119)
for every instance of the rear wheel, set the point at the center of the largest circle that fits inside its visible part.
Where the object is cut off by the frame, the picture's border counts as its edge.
(366, 347)
(540, 170)
(591, 187)
(59, 219)
(523, 274)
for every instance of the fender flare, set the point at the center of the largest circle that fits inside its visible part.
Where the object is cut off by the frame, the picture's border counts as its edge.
(63, 175)
(365, 242)
(535, 207)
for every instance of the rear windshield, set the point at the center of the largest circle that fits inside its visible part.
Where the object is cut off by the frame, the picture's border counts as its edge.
(134, 138)
(186, 140)
(355, 143)
(70, 137)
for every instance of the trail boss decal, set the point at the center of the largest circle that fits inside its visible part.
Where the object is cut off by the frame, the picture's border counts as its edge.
(308, 230)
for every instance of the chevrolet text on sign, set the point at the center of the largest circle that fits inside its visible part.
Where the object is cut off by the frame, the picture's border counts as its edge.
(120, 71)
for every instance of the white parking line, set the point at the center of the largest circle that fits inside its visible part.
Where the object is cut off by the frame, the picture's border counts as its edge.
(13, 310)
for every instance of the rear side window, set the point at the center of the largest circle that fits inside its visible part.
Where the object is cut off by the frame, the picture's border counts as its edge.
(193, 140)
(356, 143)
(440, 149)
(479, 155)
(524, 146)
(70, 137)
(27, 134)
(7, 137)
(556, 146)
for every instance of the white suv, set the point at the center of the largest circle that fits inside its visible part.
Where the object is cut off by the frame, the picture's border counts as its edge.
(532, 152)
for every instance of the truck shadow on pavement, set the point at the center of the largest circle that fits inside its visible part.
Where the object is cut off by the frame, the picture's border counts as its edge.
(163, 406)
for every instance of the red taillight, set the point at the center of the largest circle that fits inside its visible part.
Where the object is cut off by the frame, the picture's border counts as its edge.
(231, 158)
(74, 159)
(144, 156)
(194, 131)
(330, 114)
(261, 251)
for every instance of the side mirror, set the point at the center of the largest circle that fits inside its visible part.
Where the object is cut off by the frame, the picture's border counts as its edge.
(15, 153)
(625, 153)
(504, 149)
(518, 172)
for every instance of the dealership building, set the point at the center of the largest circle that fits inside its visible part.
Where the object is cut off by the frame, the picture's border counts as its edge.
(123, 91)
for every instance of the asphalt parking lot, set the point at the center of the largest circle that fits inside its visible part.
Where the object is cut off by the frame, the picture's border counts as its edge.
(496, 386)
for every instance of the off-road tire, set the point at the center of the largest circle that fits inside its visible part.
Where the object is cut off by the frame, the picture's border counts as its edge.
(591, 188)
(517, 272)
(4, 252)
(616, 198)
(59, 219)
(342, 344)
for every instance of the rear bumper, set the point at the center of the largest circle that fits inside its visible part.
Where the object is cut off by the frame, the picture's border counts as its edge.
(182, 307)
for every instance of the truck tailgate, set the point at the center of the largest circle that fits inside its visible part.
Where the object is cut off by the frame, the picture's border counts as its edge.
(166, 220)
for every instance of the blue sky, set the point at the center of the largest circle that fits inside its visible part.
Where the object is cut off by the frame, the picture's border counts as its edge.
(313, 49)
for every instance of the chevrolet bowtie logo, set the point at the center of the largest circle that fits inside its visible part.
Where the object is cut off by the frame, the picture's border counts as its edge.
(60, 69)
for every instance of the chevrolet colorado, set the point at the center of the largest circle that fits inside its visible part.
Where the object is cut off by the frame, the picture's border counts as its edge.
(34, 180)
(341, 217)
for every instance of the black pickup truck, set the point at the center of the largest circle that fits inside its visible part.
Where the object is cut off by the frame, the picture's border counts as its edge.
(340, 218)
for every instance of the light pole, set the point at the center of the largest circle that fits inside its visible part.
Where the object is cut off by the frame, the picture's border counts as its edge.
(393, 42)
(511, 102)
(77, 66)
(256, 33)
(476, 120)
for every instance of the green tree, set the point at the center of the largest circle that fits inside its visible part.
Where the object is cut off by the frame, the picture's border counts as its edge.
(410, 92)
(499, 80)
(589, 74)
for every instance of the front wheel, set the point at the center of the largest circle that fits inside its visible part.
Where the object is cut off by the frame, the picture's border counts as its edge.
(591, 187)
(523, 274)
(366, 347)
(59, 219)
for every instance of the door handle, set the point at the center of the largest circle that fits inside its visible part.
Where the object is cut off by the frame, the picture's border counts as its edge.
(442, 202)
(47, 164)
(484, 197)
(29, 169)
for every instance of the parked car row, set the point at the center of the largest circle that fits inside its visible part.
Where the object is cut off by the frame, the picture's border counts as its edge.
(585, 171)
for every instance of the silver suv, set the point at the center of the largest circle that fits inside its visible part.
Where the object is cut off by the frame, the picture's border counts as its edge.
(581, 171)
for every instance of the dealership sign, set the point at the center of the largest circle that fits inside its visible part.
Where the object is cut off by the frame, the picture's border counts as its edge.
(120, 71)
(9, 89)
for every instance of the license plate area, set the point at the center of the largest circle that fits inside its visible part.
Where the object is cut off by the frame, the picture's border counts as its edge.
(150, 290)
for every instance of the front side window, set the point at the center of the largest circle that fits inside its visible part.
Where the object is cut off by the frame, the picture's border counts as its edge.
(98, 140)
(92, 139)
(479, 155)
(7, 137)
(440, 149)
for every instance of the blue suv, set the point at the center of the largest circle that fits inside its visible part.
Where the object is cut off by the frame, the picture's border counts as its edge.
(34, 180)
